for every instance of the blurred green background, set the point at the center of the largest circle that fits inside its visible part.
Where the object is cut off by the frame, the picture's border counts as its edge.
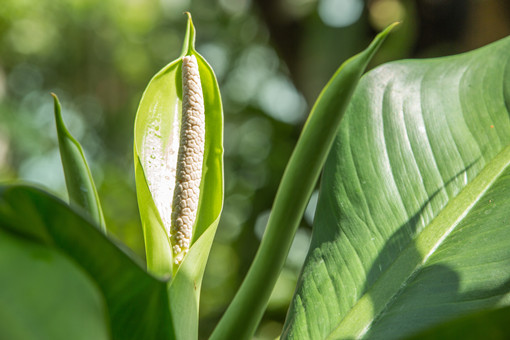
(271, 57)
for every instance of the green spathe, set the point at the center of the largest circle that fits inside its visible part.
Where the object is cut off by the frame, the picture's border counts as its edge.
(159, 110)
(159, 113)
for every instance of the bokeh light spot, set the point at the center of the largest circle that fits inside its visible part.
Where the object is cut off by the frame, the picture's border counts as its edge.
(32, 36)
(24, 78)
(385, 12)
(311, 207)
(261, 223)
(280, 99)
(235, 6)
(340, 13)
(45, 170)
(255, 65)
(216, 55)
(254, 140)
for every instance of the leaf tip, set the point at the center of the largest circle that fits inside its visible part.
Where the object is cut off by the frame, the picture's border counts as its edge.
(56, 101)
(189, 40)
(379, 39)
(58, 113)
(391, 27)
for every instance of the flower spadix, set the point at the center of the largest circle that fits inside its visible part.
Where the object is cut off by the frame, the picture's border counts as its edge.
(189, 159)
(178, 158)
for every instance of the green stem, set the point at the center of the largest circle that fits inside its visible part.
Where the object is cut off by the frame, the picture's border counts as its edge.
(246, 310)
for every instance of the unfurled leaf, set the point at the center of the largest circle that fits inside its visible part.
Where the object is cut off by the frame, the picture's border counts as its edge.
(411, 225)
(80, 185)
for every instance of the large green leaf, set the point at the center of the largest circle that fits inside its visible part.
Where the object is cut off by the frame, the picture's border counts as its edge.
(137, 303)
(43, 295)
(411, 226)
(299, 180)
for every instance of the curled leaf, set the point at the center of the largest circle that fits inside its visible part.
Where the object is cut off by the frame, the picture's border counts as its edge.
(80, 185)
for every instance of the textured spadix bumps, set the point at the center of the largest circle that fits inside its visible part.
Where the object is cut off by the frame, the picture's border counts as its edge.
(189, 160)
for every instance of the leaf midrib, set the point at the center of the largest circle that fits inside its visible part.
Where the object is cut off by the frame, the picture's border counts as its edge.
(361, 316)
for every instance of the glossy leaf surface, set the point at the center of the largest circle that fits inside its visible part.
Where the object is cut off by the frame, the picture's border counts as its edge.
(137, 303)
(411, 227)
(44, 295)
